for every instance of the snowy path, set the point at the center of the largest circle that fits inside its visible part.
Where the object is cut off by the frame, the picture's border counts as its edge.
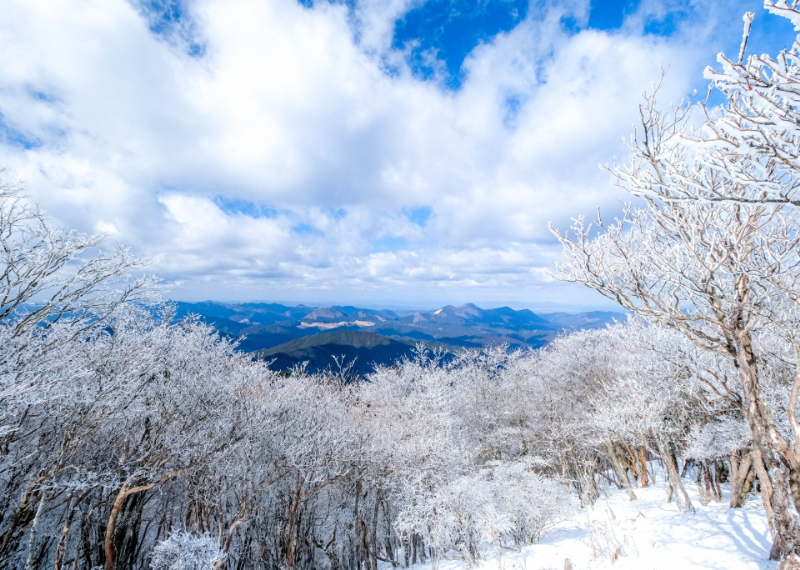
(655, 536)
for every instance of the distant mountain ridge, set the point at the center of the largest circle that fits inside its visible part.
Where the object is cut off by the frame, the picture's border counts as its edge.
(361, 349)
(291, 335)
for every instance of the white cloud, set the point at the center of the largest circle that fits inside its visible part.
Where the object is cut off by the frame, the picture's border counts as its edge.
(292, 109)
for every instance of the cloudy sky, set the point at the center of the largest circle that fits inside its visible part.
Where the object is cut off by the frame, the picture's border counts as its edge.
(403, 152)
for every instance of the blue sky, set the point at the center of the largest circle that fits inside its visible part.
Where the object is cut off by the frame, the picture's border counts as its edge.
(407, 152)
(451, 29)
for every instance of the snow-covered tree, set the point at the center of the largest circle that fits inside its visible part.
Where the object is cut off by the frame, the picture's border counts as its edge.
(714, 247)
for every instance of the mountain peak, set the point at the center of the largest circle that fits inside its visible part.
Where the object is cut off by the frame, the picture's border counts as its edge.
(420, 318)
(468, 310)
(329, 314)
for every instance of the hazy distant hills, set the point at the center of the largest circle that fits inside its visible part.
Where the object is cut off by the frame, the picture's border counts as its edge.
(292, 335)
(577, 321)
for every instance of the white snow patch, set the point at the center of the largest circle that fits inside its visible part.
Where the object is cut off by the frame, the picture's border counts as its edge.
(653, 535)
(336, 325)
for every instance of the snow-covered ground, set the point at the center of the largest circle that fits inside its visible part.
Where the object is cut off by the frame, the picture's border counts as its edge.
(653, 535)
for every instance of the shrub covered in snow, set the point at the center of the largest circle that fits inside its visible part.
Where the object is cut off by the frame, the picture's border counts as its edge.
(504, 500)
(186, 551)
(718, 438)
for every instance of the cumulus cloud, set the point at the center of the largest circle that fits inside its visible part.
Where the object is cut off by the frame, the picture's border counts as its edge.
(275, 150)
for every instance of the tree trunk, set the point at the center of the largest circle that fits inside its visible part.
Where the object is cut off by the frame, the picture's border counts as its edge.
(781, 464)
(720, 471)
(686, 465)
(220, 563)
(22, 516)
(62, 541)
(363, 543)
(784, 545)
(744, 488)
(742, 476)
(643, 470)
(733, 463)
(390, 554)
(766, 489)
(29, 563)
(718, 474)
(621, 474)
(679, 492)
(705, 495)
(109, 546)
(711, 490)
(289, 534)
(85, 552)
(373, 534)
(389, 544)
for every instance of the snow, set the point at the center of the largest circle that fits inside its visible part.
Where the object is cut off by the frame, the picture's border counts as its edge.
(336, 325)
(652, 534)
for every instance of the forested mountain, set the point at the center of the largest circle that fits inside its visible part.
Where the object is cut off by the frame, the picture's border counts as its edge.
(289, 336)
(359, 351)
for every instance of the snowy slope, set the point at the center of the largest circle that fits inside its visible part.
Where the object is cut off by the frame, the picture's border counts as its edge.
(653, 536)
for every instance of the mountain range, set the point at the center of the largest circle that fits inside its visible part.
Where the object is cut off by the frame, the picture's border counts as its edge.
(290, 335)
